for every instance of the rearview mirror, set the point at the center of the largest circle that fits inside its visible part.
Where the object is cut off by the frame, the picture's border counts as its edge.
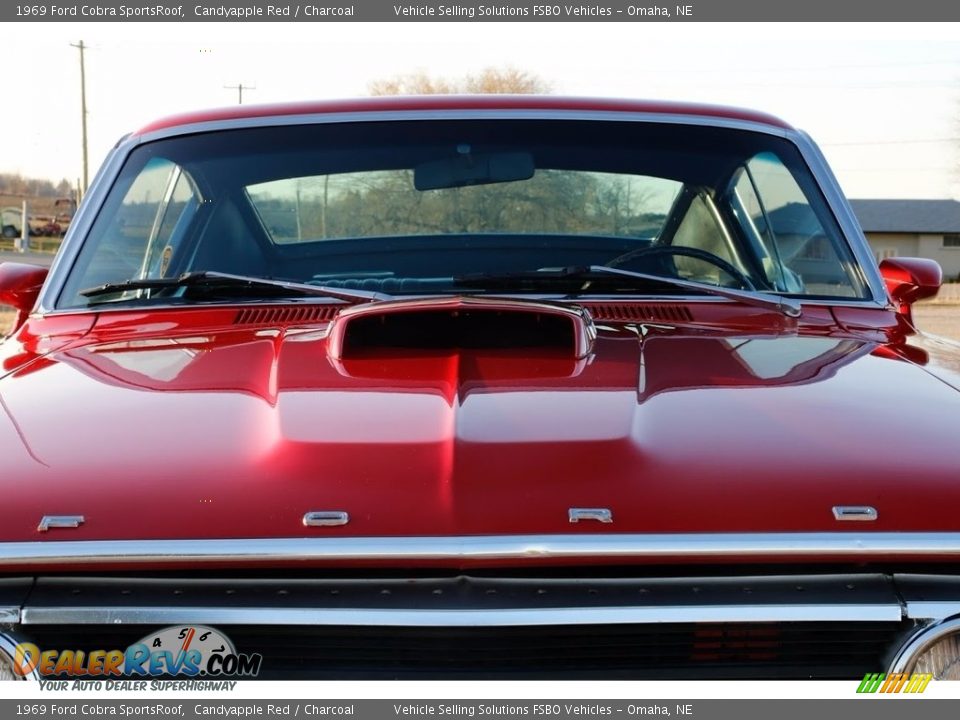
(20, 287)
(910, 279)
(468, 169)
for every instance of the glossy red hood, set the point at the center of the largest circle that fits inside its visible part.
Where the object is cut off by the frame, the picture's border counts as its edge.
(153, 427)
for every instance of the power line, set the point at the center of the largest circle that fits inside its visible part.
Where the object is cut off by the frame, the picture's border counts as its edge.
(896, 169)
(836, 66)
(894, 142)
(240, 87)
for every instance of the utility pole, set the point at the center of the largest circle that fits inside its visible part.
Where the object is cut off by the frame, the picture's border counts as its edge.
(83, 112)
(240, 87)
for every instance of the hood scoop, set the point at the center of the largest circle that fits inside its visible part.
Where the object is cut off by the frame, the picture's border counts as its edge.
(461, 323)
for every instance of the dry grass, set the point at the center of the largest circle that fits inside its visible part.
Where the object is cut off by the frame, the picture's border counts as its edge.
(6, 318)
(943, 320)
(38, 244)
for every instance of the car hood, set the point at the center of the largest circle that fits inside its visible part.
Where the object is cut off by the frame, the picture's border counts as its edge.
(237, 432)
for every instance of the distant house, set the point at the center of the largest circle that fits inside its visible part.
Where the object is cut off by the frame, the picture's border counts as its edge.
(913, 228)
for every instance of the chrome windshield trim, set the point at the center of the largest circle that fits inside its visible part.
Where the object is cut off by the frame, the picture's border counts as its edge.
(703, 546)
(81, 224)
(840, 207)
(498, 617)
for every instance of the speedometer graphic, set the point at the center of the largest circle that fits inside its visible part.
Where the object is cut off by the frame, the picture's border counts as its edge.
(180, 649)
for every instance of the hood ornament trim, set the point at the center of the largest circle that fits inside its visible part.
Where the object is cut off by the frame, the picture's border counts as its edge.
(603, 515)
(48, 522)
(326, 518)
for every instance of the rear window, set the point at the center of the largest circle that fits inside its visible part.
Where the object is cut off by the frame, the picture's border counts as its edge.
(374, 204)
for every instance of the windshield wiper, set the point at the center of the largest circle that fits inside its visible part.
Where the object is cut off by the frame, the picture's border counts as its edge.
(237, 284)
(769, 301)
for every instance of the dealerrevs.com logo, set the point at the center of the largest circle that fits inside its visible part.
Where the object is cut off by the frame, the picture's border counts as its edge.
(191, 651)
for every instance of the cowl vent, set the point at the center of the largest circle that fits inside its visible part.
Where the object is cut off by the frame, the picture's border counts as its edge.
(461, 322)
(287, 315)
(617, 312)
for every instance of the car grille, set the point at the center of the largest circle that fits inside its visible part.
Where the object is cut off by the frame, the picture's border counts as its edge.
(669, 651)
(761, 626)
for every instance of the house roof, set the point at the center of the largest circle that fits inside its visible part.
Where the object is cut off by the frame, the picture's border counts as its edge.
(908, 216)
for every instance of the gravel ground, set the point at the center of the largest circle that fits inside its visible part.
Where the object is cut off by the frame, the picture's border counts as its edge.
(935, 319)
(941, 320)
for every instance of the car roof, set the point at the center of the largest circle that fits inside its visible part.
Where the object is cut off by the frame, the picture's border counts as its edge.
(464, 102)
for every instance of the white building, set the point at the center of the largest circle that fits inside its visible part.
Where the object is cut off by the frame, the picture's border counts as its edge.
(913, 228)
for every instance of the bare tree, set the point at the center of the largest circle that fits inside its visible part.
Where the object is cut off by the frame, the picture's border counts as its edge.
(417, 83)
(508, 80)
(489, 81)
(17, 184)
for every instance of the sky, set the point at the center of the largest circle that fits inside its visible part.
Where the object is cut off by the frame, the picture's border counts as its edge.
(881, 100)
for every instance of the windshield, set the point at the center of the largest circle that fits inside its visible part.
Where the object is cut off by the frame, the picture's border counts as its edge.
(414, 207)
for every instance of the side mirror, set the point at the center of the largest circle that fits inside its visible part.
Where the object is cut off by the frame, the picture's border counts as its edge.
(20, 287)
(910, 279)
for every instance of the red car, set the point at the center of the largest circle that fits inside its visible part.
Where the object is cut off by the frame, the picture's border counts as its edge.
(475, 387)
